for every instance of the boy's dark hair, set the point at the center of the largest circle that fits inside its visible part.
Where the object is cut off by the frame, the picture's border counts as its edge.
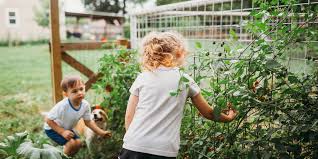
(70, 82)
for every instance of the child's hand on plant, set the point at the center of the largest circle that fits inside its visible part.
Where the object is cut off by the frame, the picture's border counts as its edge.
(106, 134)
(67, 134)
(231, 113)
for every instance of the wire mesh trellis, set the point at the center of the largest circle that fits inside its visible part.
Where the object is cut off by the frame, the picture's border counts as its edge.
(209, 21)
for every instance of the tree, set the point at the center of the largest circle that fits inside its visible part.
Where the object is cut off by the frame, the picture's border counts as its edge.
(163, 2)
(113, 6)
(42, 14)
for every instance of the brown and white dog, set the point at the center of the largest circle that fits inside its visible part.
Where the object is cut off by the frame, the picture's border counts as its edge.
(91, 139)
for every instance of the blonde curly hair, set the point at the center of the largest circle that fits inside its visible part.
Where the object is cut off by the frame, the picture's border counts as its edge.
(162, 48)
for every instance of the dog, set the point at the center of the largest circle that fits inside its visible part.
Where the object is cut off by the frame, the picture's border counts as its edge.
(92, 140)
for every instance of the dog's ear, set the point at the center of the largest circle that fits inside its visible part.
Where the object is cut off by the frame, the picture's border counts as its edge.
(104, 114)
(104, 109)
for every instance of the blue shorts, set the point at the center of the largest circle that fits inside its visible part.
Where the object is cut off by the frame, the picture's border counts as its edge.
(59, 139)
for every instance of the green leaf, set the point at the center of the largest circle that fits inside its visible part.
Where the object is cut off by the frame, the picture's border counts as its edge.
(184, 79)
(173, 93)
(233, 34)
(266, 155)
(239, 72)
(252, 155)
(224, 81)
(28, 150)
(271, 64)
(261, 26)
(293, 79)
(227, 62)
(288, 91)
(216, 112)
(221, 102)
(206, 93)
(274, 2)
(198, 45)
(199, 78)
(227, 48)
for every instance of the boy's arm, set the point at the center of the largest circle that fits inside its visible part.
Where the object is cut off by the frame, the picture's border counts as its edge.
(130, 111)
(206, 110)
(92, 125)
(67, 134)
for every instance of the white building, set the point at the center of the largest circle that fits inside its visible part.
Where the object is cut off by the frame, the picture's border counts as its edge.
(17, 21)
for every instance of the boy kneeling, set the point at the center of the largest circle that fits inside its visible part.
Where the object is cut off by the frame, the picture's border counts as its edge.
(63, 117)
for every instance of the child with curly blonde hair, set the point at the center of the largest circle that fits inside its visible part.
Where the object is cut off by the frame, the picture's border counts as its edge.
(153, 116)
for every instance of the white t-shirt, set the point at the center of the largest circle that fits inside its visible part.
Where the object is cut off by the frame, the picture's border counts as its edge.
(155, 128)
(66, 116)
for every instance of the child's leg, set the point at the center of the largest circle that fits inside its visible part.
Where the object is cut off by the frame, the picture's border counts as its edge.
(72, 147)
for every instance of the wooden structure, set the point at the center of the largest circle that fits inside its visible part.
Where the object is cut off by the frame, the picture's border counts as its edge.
(95, 15)
(58, 52)
(101, 25)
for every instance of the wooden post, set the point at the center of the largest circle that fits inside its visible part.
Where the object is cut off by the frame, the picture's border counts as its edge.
(56, 60)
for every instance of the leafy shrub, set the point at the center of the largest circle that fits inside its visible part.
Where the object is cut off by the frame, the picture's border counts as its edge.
(10, 144)
(119, 70)
(28, 150)
(19, 146)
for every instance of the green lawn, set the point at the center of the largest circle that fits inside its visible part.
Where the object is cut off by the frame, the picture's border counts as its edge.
(24, 89)
(25, 74)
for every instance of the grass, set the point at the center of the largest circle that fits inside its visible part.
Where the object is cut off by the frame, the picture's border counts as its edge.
(25, 87)
(25, 74)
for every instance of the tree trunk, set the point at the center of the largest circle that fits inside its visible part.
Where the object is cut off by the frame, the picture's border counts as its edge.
(124, 7)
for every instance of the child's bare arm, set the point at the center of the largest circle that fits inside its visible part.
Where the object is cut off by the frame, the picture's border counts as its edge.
(67, 134)
(130, 111)
(206, 110)
(92, 125)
